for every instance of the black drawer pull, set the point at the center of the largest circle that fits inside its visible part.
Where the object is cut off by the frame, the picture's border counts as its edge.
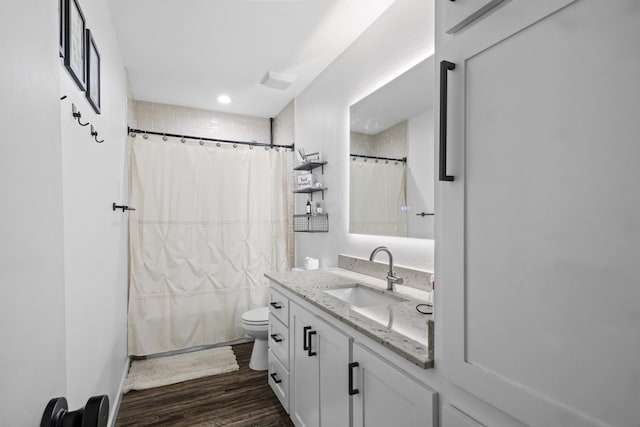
(305, 346)
(274, 376)
(311, 352)
(276, 305)
(276, 338)
(445, 66)
(352, 390)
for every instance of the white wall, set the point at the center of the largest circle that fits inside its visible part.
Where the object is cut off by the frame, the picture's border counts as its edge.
(421, 174)
(398, 40)
(63, 254)
(284, 134)
(157, 117)
(32, 307)
(95, 238)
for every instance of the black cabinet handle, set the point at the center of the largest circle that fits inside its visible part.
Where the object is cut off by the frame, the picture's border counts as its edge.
(275, 305)
(445, 66)
(274, 376)
(305, 346)
(275, 338)
(352, 390)
(311, 352)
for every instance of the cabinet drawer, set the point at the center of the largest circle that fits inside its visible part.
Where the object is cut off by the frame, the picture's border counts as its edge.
(279, 306)
(279, 380)
(452, 417)
(279, 340)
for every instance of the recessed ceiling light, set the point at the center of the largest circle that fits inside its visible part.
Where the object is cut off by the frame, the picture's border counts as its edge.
(224, 99)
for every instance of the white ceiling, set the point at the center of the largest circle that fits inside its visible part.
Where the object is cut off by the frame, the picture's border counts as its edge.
(189, 52)
(404, 97)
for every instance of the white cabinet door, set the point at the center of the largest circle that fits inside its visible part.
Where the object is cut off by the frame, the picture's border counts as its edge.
(537, 237)
(319, 391)
(305, 372)
(386, 396)
(452, 417)
(333, 348)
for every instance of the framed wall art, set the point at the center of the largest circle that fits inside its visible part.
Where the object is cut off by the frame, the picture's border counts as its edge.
(61, 27)
(93, 72)
(75, 42)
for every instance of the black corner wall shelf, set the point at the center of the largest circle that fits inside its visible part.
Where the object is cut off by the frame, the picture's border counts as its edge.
(310, 166)
(311, 190)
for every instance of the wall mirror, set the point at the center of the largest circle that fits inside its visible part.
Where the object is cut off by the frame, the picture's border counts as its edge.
(391, 176)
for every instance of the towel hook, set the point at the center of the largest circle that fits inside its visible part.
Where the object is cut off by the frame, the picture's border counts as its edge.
(123, 207)
(94, 134)
(77, 115)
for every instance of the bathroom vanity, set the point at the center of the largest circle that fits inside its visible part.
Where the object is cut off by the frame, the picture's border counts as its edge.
(340, 346)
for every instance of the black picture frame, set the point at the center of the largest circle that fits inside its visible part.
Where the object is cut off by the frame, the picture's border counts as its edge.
(61, 27)
(93, 72)
(75, 50)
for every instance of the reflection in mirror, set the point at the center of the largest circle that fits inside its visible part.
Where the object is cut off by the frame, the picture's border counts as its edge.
(392, 157)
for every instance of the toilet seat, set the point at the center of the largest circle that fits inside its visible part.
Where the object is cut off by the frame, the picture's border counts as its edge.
(256, 317)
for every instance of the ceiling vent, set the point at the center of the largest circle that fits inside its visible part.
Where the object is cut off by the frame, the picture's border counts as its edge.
(277, 80)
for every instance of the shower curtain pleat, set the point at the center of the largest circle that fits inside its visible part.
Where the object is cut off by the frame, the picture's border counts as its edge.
(209, 222)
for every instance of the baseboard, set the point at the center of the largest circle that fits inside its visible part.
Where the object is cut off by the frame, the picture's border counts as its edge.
(113, 412)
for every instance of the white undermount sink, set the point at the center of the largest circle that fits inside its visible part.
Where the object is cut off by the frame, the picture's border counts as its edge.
(362, 296)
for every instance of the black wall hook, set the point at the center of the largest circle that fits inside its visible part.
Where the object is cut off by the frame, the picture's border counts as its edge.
(94, 134)
(123, 207)
(77, 115)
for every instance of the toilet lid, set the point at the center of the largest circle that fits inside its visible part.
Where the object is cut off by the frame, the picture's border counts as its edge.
(256, 316)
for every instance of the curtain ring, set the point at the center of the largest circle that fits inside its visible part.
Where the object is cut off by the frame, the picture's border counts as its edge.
(164, 137)
(218, 144)
(183, 140)
(201, 142)
(145, 136)
(132, 134)
(235, 145)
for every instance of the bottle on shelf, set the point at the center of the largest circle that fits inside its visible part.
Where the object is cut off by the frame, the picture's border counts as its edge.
(308, 207)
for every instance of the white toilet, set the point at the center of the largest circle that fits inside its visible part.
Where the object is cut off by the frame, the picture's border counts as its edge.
(256, 323)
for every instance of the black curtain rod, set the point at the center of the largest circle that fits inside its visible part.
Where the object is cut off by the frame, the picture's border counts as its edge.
(200, 138)
(403, 159)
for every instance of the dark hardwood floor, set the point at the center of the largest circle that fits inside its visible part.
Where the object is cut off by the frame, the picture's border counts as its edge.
(237, 399)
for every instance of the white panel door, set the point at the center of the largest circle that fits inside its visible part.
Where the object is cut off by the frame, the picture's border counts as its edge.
(388, 397)
(460, 13)
(538, 237)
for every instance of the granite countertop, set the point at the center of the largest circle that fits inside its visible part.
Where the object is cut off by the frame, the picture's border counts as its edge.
(397, 326)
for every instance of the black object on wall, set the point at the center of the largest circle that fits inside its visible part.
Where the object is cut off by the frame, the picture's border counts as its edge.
(445, 66)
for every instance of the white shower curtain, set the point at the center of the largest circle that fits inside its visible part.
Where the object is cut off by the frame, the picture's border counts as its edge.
(377, 197)
(209, 222)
